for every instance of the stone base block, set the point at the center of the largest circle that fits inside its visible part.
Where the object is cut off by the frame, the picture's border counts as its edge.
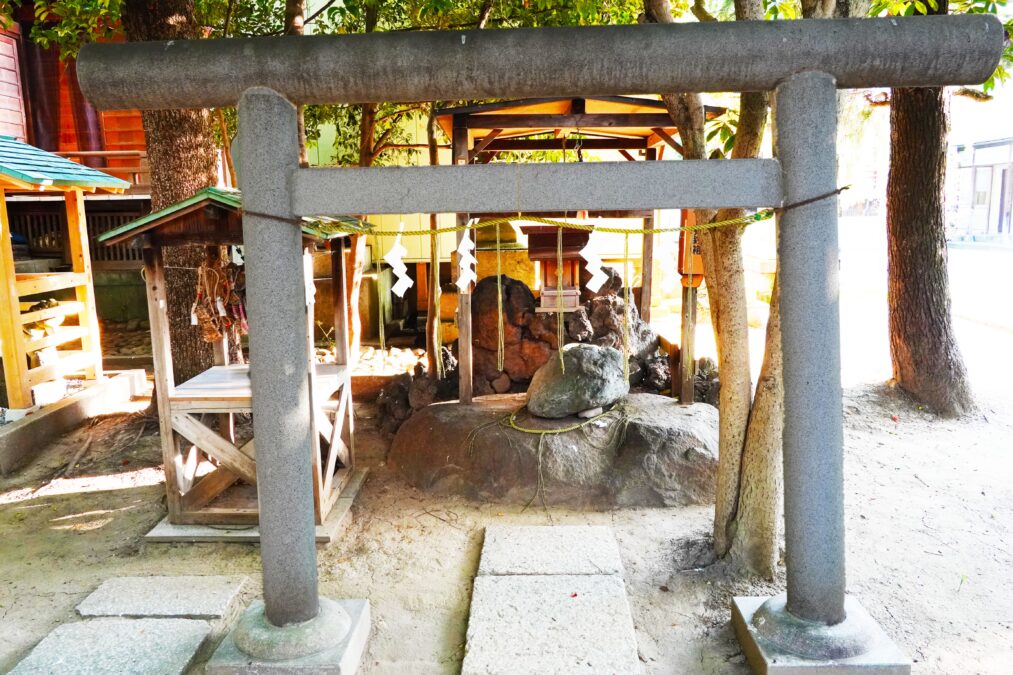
(342, 659)
(879, 657)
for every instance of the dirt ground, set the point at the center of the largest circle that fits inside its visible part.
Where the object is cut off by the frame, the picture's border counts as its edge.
(928, 532)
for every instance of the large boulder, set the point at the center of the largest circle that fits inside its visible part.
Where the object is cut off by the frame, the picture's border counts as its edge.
(589, 377)
(649, 451)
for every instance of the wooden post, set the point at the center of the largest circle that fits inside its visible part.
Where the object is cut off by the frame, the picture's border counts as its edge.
(687, 356)
(338, 292)
(687, 359)
(80, 261)
(161, 356)
(647, 256)
(464, 347)
(19, 394)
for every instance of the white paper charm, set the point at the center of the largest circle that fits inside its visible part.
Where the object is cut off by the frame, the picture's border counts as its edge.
(594, 264)
(466, 263)
(394, 258)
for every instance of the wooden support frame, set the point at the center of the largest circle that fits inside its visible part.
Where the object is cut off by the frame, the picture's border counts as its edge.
(17, 347)
(459, 148)
(210, 478)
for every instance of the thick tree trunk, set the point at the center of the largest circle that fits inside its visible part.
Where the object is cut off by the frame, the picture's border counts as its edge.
(181, 152)
(926, 359)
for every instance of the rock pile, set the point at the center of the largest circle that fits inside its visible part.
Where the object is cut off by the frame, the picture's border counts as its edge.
(530, 337)
(651, 452)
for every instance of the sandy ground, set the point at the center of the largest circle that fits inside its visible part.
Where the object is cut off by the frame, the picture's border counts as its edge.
(928, 520)
(928, 527)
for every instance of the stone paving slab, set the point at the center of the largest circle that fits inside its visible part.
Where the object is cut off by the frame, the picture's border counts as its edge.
(550, 625)
(184, 597)
(117, 647)
(560, 549)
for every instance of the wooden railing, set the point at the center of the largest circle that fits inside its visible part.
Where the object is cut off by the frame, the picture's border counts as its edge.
(129, 165)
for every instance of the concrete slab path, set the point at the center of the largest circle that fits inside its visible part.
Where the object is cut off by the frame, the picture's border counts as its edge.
(117, 647)
(550, 600)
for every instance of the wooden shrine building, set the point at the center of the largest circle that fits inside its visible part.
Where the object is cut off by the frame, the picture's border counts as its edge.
(210, 460)
(638, 129)
(48, 325)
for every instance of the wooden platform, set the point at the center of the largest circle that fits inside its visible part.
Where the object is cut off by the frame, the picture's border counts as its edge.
(229, 386)
(326, 533)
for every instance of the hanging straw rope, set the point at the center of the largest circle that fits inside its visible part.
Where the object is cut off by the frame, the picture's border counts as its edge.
(559, 299)
(626, 307)
(437, 295)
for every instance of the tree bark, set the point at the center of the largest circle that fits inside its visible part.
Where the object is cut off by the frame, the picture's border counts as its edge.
(353, 273)
(433, 311)
(926, 359)
(295, 11)
(757, 529)
(181, 152)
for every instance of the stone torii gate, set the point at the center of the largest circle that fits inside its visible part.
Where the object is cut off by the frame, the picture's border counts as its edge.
(804, 62)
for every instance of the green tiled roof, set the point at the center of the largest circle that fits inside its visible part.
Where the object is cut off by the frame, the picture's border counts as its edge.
(37, 167)
(314, 227)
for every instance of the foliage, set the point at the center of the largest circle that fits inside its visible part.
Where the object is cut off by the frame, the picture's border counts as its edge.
(913, 7)
(721, 130)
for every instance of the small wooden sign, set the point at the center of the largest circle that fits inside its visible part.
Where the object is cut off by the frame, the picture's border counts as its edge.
(690, 259)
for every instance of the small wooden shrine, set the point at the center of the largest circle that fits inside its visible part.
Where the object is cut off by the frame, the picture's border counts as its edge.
(48, 325)
(210, 465)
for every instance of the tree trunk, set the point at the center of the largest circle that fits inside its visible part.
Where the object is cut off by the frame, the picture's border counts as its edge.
(926, 359)
(756, 530)
(181, 153)
(433, 311)
(353, 273)
(294, 25)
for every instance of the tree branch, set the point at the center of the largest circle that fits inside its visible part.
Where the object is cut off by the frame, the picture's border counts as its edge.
(700, 12)
(484, 13)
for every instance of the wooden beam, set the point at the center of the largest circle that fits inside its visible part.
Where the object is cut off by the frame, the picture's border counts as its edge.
(484, 143)
(80, 260)
(665, 136)
(522, 144)
(161, 355)
(47, 282)
(627, 155)
(15, 362)
(647, 256)
(207, 488)
(69, 308)
(338, 291)
(578, 121)
(214, 445)
(464, 347)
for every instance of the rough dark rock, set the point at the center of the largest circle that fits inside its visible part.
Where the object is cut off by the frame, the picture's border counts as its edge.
(650, 451)
(707, 385)
(657, 374)
(592, 377)
(578, 325)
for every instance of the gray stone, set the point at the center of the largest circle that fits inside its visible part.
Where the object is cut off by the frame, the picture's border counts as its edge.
(117, 647)
(648, 451)
(561, 550)
(592, 377)
(879, 656)
(184, 597)
(342, 659)
(550, 624)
